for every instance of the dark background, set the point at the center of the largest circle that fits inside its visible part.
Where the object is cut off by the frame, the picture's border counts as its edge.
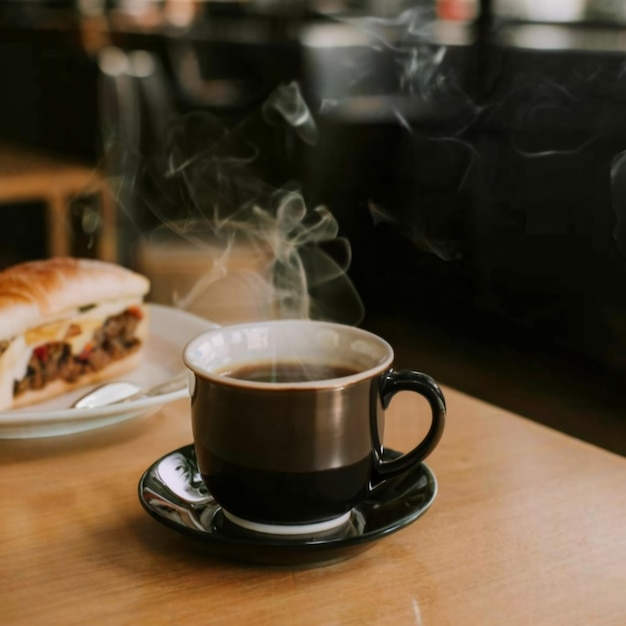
(485, 218)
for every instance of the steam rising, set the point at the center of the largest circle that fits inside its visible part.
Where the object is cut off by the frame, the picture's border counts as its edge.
(412, 82)
(454, 141)
(223, 189)
(618, 187)
(214, 190)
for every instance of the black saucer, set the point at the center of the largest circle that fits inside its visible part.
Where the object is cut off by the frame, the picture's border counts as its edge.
(172, 492)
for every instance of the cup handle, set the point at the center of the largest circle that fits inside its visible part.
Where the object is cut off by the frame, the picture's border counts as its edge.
(391, 383)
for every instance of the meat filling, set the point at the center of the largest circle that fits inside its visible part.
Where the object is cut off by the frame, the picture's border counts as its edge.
(114, 340)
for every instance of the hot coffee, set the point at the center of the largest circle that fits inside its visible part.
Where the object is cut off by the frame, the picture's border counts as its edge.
(288, 372)
(288, 420)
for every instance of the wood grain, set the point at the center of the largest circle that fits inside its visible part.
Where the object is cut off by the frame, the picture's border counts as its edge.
(527, 528)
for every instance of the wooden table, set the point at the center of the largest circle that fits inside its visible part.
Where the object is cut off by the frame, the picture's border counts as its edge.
(529, 527)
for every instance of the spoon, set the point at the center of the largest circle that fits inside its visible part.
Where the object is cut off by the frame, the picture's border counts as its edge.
(124, 391)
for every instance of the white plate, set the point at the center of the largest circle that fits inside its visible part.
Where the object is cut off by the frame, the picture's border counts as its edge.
(170, 331)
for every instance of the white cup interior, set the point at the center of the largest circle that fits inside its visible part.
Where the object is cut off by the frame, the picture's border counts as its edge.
(297, 341)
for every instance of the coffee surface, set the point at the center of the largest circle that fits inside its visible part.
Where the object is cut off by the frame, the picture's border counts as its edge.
(288, 372)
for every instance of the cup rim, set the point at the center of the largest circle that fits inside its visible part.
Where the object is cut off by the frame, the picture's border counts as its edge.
(336, 382)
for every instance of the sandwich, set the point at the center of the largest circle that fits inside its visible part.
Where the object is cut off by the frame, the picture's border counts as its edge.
(65, 323)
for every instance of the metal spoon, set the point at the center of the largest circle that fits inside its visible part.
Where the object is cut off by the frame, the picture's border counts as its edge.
(124, 391)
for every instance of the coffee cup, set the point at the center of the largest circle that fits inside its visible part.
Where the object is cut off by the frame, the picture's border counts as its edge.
(288, 420)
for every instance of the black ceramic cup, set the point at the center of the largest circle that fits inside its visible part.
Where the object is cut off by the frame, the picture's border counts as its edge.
(288, 420)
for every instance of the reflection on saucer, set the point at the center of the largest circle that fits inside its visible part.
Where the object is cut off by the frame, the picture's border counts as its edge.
(180, 515)
(181, 476)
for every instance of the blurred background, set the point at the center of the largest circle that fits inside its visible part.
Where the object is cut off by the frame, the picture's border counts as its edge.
(468, 156)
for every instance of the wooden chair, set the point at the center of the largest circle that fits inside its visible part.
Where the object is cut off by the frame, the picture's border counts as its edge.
(29, 175)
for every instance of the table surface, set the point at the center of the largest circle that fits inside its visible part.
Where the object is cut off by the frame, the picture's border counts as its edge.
(528, 527)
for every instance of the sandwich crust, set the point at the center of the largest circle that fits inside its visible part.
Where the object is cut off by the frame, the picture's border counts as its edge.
(38, 291)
